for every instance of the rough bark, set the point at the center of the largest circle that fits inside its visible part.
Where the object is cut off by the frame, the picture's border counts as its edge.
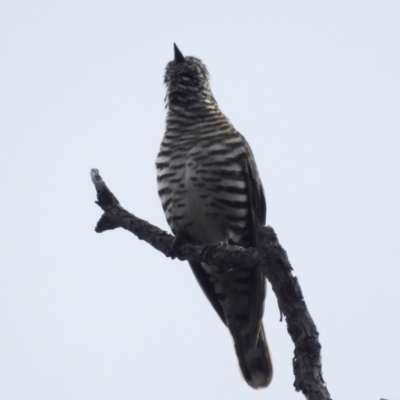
(269, 257)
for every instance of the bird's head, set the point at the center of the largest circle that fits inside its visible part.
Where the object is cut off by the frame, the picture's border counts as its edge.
(185, 72)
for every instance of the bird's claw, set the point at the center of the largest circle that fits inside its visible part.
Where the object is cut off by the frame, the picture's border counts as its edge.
(211, 246)
(176, 242)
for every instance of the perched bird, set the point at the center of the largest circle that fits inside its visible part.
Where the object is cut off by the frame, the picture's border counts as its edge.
(210, 191)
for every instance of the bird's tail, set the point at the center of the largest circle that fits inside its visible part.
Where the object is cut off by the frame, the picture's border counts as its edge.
(254, 359)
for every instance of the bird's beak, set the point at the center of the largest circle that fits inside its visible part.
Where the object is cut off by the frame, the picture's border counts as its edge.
(179, 58)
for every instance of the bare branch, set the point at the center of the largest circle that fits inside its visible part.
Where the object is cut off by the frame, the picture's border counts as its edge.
(269, 257)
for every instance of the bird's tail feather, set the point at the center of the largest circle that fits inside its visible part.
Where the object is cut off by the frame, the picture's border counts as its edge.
(254, 360)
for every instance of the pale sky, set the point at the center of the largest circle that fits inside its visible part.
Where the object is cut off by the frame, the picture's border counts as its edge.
(314, 86)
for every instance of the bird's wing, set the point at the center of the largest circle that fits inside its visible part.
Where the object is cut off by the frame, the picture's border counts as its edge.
(258, 217)
(256, 190)
(208, 288)
(258, 210)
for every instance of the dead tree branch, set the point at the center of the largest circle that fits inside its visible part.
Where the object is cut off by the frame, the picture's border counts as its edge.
(269, 257)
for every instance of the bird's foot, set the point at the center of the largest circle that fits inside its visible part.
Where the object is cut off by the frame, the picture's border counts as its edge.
(178, 240)
(208, 250)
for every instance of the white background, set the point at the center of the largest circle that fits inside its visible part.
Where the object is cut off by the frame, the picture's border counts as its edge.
(313, 85)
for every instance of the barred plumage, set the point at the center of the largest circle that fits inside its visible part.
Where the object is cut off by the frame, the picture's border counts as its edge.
(210, 190)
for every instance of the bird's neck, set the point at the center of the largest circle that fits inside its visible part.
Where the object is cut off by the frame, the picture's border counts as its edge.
(190, 99)
(191, 105)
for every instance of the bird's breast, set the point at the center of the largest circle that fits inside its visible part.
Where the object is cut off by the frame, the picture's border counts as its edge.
(204, 195)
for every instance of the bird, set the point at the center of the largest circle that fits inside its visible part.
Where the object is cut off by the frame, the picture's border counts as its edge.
(211, 192)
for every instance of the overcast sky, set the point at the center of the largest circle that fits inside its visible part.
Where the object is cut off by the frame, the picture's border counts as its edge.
(314, 86)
